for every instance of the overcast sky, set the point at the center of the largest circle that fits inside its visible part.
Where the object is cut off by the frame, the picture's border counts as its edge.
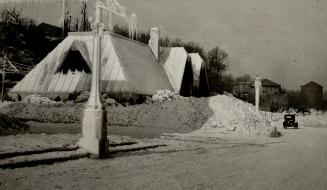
(265, 37)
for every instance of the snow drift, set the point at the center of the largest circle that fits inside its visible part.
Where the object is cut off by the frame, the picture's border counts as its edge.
(175, 114)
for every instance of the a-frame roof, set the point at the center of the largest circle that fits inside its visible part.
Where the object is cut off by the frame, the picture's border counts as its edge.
(312, 84)
(127, 66)
(139, 63)
(269, 83)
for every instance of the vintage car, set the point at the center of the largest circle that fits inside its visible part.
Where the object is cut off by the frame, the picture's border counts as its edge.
(289, 121)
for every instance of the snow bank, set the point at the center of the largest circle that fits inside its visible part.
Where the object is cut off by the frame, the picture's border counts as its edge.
(312, 120)
(33, 142)
(217, 114)
(52, 113)
(37, 142)
(169, 112)
(162, 96)
(37, 99)
(231, 115)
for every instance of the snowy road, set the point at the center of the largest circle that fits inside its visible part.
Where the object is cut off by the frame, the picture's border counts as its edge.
(298, 161)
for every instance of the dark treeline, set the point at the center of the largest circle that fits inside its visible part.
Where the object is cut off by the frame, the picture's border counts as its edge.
(22, 43)
(21, 40)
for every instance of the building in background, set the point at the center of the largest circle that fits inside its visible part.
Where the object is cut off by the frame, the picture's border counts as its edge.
(313, 94)
(270, 88)
(130, 69)
(50, 31)
(271, 93)
(241, 87)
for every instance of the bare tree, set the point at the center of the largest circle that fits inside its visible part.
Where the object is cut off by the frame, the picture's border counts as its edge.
(85, 24)
(216, 62)
(67, 21)
(15, 16)
(76, 25)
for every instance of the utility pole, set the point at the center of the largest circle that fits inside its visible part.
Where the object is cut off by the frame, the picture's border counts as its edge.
(63, 13)
(257, 86)
(5, 65)
(3, 83)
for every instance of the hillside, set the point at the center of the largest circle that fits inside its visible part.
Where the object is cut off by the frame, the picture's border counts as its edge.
(25, 46)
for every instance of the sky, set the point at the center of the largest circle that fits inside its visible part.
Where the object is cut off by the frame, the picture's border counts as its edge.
(269, 38)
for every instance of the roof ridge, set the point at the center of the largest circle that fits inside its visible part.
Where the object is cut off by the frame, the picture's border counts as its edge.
(126, 38)
(312, 83)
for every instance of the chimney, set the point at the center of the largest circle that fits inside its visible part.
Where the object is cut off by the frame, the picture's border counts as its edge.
(154, 41)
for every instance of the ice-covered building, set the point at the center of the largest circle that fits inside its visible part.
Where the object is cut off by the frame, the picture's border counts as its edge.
(129, 68)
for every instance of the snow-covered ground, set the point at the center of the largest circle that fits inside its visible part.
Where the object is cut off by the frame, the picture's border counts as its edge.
(33, 142)
(192, 163)
(315, 119)
(166, 111)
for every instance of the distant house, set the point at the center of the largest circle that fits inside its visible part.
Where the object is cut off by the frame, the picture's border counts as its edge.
(269, 87)
(313, 93)
(241, 87)
(51, 32)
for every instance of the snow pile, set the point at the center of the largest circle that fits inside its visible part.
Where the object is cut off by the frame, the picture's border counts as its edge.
(231, 115)
(179, 115)
(37, 99)
(312, 120)
(111, 102)
(47, 113)
(83, 97)
(218, 114)
(162, 96)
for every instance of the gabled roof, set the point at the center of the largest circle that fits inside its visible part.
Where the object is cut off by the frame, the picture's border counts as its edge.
(269, 83)
(173, 61)
(312, 84)
(127, 66)
(197, 63)
(140, 64)
(50, 30)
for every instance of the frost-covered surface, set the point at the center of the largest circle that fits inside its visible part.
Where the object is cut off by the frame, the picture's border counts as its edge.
(53, 113)
(313, 120)
(162, 96)
(217, 114)
(5, 103)
(233, 116)
(37, 99)
(83, 97)
(34, 142)
(43, 157)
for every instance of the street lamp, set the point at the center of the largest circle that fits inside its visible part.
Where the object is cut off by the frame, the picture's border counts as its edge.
(94, 129)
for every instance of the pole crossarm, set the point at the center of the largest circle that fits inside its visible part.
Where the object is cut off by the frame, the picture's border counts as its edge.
(7, 66)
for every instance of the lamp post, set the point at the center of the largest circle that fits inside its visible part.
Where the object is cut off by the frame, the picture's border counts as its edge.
(94, 130)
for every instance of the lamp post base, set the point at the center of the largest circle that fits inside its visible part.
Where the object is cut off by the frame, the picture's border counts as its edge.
(94, 133)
